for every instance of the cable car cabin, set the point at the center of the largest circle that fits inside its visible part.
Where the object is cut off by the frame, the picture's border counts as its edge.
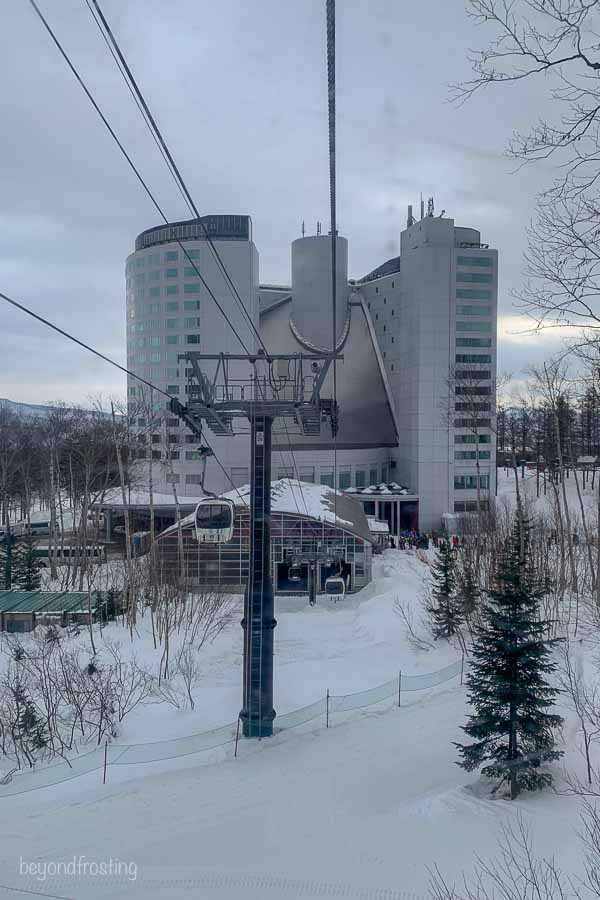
(214, 520)
(335, 587)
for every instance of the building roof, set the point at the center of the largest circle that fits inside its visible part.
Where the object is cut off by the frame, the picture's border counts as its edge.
(43, 601)
(218, 227)
(313, 501)
(386, 268)
(381, 490)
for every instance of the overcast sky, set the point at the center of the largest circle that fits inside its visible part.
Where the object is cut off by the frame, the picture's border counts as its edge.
(239, 91)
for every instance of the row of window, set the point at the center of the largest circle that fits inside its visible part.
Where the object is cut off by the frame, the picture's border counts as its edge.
(472, 375)
(474, 326)
(484, 262)
(472, 438)
(462, 506)
(154, 357)
(170, 306)
(472, 423)
(471, 454)
(472, 407)
(469, 482)
(473, 342)
(171, 339)
(474, 277)
(170, 289)
(156, 324)
(462, 310)
(157, 259)
(473, 294)
(473, 390)
(473, 358)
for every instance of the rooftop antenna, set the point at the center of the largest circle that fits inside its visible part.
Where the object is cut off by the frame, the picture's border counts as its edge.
(318, 228)
(410, 218)
(430, 208)
(422, 207)
(303, 229)
(441, 215)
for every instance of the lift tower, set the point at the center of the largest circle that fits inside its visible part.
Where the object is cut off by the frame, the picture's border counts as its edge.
(284, 386)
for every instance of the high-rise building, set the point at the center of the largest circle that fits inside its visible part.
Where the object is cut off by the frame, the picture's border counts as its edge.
(416, 388)
(434, 310)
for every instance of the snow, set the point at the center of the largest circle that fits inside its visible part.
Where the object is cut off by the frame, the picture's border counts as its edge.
(359, 810)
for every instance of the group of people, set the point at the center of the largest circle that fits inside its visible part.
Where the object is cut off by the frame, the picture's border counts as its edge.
(416, 540)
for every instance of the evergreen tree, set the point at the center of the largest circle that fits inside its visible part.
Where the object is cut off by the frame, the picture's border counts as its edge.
(7, 545)
(30, 728)
(444, 609)
(467, 588)
(26, 565)
(511, 725)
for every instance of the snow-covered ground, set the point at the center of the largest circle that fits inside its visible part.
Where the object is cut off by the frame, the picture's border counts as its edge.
(359, 810)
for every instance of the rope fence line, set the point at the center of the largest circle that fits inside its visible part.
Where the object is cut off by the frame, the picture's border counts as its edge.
(116, 754)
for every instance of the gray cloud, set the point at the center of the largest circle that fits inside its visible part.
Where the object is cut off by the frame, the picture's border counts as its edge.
(240, 94)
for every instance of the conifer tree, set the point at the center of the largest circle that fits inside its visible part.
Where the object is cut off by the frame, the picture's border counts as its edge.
(467, 588)
(7, 545)
(511, 722)
(26, 565)
(444, 609)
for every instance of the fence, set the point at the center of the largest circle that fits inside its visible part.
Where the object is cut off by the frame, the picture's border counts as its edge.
(137, 754)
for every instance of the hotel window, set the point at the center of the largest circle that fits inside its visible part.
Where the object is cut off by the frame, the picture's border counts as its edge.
(344, 479)
(474, 326)
(190, 272)
(155, 340)
(192, 338)
(482, 261)
(154, 292)
(192, 455)
(172, 339)
(154, 276)
(465, 454)
(473, 310)
(191, 322)
(473, 294)
(373, 476)
(171, 273)
(172, 289)
(473, 358)
(192, 254)
(327, 478)
(191, 304)
(172, 306)
(172, 389)
(360, 478)
(172, 323)
(191, 289)
(171, 256)
(154, 356)
(474, 277)
(473, 342)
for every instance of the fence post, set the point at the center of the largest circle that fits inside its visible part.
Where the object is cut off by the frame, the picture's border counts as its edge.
(237, 737)
(399, 685)
(327, 713)
(105, 759)
(462, 666)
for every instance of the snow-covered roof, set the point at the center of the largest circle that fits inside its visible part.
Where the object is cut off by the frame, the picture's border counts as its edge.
(586, 460)
(313, 501)
(378, 490)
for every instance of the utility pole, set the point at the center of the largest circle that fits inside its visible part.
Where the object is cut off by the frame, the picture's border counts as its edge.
(292, 393)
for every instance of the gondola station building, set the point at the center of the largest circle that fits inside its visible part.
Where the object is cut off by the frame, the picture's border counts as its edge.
(415, 388)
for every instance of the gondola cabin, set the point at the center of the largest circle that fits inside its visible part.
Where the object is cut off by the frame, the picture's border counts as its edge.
(335, 587)
(214, 520)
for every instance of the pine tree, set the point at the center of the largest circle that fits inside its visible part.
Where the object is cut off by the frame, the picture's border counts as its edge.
(511, 725)
(444, 609)
(7, 544)
(26, 566)
(467, 588)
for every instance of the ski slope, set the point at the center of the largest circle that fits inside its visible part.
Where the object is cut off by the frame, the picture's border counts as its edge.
(358, 810)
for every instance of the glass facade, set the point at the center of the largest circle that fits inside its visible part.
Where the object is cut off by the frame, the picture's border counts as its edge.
(294, 539)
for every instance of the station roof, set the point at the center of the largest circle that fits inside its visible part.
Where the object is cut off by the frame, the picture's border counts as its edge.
(382, 490)
(313, 501)
(43, 601)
